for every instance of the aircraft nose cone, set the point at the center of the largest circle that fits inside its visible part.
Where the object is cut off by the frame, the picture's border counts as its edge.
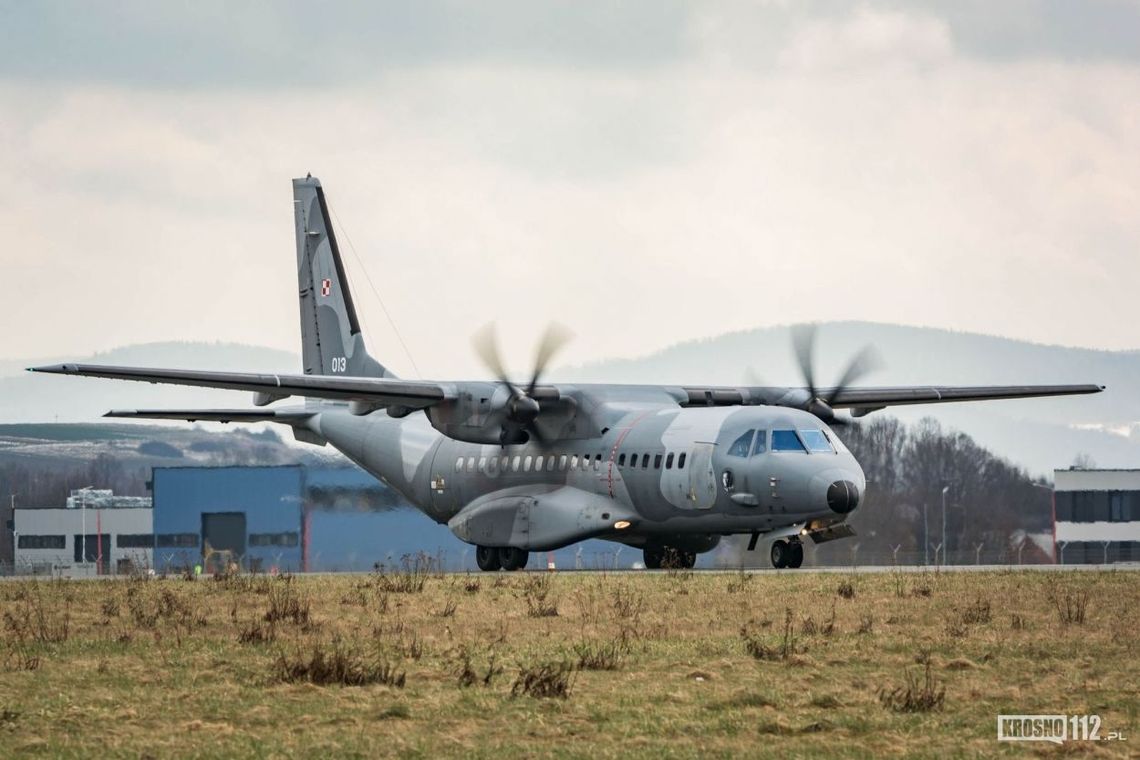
(842, 496)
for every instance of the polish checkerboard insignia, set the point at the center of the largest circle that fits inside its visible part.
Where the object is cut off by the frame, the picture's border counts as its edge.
(326, 287)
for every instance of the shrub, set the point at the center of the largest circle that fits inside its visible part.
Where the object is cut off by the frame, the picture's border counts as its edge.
(544, 680)
(600, 655)
(468, 676)
(846, 590)
(285, 604)
(335, 663)
(977, 612)
(1071, 606)
(410, 578)
(914, 696)
(536, 592)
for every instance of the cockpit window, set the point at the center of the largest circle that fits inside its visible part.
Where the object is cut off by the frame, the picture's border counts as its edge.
(739, 447)
(786, 440)
(816, 441)
(761, 444)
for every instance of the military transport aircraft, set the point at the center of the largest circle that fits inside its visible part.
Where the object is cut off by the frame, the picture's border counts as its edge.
(517, 468)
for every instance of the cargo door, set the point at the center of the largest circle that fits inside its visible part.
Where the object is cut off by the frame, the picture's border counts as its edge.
(702, 479)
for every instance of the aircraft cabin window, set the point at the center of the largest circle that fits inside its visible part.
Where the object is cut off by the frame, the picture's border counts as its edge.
(787, 440)
(597, 461)
(669, 461)
(740, 446)
(657, 462)
(493, 466)
(761, 444)
(550, 463)
(562, 462)
(621, 460)
(538, 464)
(482, 464)
(574, 462)
(681, 460)
(816, 441)
(516, 462)
(459, 464)
(527, 462)
(470, 464)
(645, 461)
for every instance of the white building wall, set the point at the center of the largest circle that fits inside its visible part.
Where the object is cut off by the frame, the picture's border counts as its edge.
(70, 523)
(1098, 531)
(1096, 480)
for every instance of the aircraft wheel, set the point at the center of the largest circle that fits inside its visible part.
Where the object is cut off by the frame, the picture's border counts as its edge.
(513, 559)
(487, 558)
(653, 557)
(781, 553)
(796, 557)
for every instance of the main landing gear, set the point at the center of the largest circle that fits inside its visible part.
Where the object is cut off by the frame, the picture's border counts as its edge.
(787, 554)
(491, 558)
(658, 557)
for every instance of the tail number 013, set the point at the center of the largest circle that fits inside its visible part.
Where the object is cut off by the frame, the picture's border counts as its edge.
(339, 364)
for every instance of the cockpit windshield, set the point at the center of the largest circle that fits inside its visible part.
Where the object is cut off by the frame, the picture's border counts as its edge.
(786, 440)
(761, 444)
(817, 441)
(739, 447)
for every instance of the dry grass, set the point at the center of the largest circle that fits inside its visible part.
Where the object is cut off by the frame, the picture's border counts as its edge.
(671, 664)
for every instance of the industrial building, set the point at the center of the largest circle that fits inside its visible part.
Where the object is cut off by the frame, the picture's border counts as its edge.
(96, 533)
(286, 518)
(1096, 516)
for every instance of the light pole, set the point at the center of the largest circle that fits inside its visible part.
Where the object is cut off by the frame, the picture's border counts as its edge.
(945, 490)
(925, 537)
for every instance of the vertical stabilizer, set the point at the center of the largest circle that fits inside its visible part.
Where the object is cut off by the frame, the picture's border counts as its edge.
(331, 340)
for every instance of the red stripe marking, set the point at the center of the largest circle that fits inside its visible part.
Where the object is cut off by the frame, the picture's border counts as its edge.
(617, 444)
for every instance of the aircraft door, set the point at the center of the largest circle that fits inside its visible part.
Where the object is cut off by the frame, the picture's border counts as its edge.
(446, 473)
(702, 478)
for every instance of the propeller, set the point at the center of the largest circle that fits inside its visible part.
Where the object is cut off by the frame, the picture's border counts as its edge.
(865, 361)
(522, 409)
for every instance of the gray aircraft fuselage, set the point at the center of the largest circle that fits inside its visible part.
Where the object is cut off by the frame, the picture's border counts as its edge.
(662, 498)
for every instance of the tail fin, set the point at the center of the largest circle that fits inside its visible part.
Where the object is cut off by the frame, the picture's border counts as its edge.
(331, 341)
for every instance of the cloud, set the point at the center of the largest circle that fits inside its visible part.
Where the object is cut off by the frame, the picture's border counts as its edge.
(867, 167)
(869, 39)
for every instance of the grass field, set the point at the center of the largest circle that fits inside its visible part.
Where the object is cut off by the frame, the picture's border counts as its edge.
(679, 664)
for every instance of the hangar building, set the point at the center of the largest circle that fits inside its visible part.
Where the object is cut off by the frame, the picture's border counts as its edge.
(1096, 516)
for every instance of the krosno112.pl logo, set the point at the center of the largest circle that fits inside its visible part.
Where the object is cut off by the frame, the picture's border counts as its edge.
(1052, 728)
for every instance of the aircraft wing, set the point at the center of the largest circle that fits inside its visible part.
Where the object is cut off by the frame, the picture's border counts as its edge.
(412, 394)
(877, 398)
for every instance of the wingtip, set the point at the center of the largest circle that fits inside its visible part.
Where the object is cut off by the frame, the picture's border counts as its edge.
(54, 369)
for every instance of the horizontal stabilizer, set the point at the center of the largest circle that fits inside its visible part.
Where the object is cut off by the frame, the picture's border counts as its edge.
(211, 415)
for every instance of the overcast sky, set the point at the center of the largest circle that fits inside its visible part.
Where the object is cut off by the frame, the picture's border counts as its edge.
(641, 172)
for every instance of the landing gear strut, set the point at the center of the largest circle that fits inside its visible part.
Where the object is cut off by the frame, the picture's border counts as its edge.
(668, 557)
(787, 554)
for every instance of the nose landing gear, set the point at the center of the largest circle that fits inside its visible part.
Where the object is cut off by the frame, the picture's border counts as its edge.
(787, 554)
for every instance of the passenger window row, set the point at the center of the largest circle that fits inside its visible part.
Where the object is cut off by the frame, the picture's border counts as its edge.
(562, 462)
